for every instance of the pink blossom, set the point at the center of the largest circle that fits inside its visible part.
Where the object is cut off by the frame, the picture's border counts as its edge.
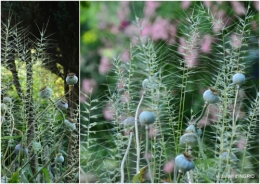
(159, 29)
(185, 4)
(153, 131)
(256, 5)
(236, 40)
(88, 84)
(173, 32)
(108, 112)
(206, 44)
(219, 23)
(207, 3)
(104, 66)
(238, 7)
(125, 97)
(123, 10)
(149, 154)
(241, 144)
(254, 25)
(125, 56)
(150, 8)
(168, 167)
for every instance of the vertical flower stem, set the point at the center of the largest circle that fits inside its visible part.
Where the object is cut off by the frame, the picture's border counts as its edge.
(136, 135)
(124, 158)
(146, 152)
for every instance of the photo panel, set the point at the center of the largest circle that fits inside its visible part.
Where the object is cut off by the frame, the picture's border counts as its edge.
(169, 92)
(39, 91)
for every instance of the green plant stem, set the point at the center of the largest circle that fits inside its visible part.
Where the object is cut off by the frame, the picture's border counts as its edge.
(202, 113)
(124, 158)
(146, 152)
(179, 176)
(67, 172)
(136, 135)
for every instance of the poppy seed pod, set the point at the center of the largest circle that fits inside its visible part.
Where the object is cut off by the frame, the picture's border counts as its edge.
(22, 149)
(3, 107)
(69, 125)
(188, 139)
(184, 162)
(210, 97)
(59, 158)
(7, 100)
(62, 104)
(147, 118)
(71, 78)
(190, 128)
(239, 78)
(45, 92)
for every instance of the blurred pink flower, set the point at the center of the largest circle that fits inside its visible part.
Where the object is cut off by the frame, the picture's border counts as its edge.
(160, 29)
(168, 167)
(87, 84)
(150, 156)
(153, 131)
(123, 10)
(236, 40)
(241, 144)
(125, 97)
(150, 8)
(254, 25)
(108, 112)
(206, 44)
(207, 3)
(185, 4)
(219, 21)
(189, 52)
(125, 56)
(256, 5)
(238, 7)
(172, 33)
(82, 98)
(104, 65)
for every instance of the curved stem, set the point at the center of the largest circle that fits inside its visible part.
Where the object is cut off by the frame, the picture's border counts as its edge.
(146, 152)
(179, 176)
(202, 113)
(124, 158)
(136, 135)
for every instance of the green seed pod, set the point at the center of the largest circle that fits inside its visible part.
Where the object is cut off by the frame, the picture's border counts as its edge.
(62, 104)
(59, 158)
(45, 92)
(239, 78)
(71, 78)
(184, 162)
(147, 118)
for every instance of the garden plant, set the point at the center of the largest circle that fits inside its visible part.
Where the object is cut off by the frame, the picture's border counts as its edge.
(180, 108)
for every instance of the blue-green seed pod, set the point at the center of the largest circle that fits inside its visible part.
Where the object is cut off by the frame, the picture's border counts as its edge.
(184, 162)
(71, 126)
(45, 92)
(62, 104)
(7, 100)
(210, 97)
(189, 139)
(71, 79)
(147, 118)
(238, 78)
(59, 158)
